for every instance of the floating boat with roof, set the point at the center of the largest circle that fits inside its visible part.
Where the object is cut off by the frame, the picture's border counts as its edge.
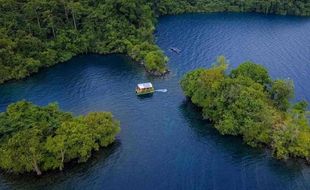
(145, 88)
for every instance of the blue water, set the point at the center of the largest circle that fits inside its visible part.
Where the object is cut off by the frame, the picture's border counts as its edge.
(164, 144)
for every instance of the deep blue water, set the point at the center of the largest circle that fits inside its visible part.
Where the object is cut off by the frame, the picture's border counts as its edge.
(164, 144)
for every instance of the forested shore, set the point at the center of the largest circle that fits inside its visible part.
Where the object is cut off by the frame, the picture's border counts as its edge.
(41, 33)
(246, 102)
(43, 138)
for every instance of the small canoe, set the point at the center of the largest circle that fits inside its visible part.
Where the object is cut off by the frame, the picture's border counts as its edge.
(176, 50)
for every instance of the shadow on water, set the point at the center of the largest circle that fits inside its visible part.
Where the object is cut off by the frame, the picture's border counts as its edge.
(145, 96)
(204, 129)
(99, 160)
(237, 150)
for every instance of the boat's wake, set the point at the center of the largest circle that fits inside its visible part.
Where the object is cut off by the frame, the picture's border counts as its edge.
(161, 90)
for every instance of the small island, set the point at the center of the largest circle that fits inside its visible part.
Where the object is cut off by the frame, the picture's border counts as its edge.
(247, 102)
(38, 139)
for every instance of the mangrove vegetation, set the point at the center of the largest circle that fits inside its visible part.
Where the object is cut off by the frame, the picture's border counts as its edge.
(41, 33)
(37, 139)
(247, 102)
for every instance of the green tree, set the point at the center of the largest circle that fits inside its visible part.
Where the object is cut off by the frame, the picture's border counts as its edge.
(23, 152)
(254, 71)
(155, 61)
(281, 92)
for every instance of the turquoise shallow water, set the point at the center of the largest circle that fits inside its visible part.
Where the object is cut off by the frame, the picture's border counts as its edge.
(164, 144)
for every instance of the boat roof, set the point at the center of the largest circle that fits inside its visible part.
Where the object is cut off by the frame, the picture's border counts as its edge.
(145, 85)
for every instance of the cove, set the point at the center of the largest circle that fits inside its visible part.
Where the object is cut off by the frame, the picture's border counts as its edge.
(164, 144)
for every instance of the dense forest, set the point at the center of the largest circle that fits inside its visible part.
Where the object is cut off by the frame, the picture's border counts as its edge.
(41, 33)
(283, 7)
(247, 102)
(37, 139)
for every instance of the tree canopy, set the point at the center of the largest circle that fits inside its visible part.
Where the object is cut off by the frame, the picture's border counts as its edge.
(37, 139)
(41, 33)
(247, 102)
(283, 7)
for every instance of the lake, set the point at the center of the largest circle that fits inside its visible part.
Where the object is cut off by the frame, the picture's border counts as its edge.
(164, 143)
